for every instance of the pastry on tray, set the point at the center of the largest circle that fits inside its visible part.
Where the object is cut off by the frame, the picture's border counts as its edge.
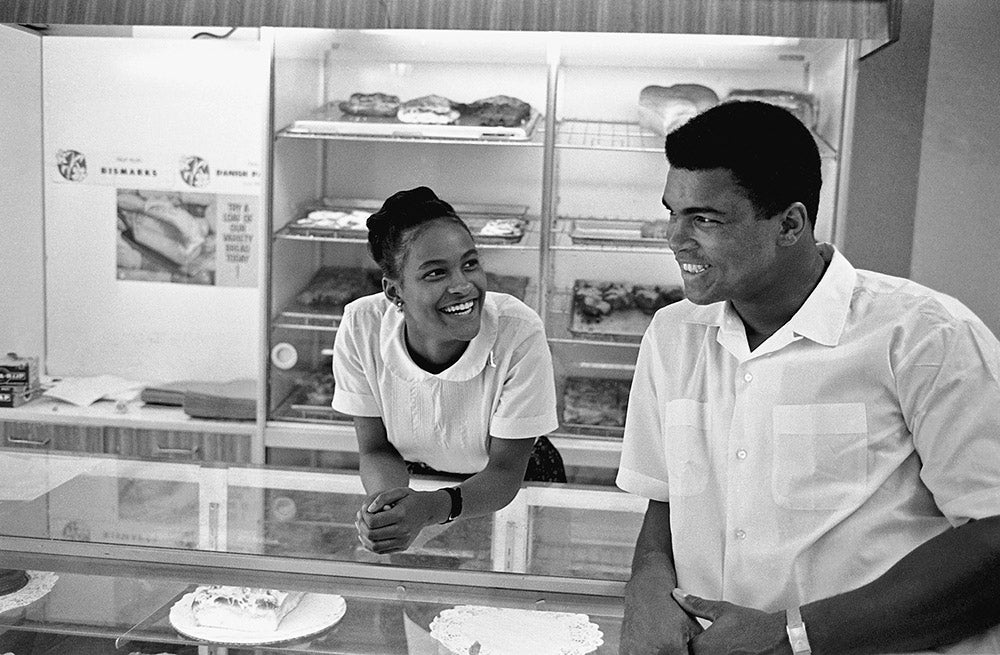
(595, 401)
(648, 298)
(317, 388)
(247, 609)
(333, 287)
(371, 104)
(354, 220)
(502, 228)
(497, 111)
(430, 109)
(803, 105)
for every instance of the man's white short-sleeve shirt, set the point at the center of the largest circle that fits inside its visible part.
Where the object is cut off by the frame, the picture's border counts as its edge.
(502, 386)
(865, 426)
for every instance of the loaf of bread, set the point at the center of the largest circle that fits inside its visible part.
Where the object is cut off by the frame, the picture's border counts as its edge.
(246, 609)
(803, 105)
(665, 108)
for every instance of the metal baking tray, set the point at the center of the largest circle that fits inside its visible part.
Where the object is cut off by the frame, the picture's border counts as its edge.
(475, 215)
(330, 120)
(584, 231)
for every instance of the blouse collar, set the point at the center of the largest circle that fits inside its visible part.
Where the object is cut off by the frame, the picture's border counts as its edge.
(475, 358)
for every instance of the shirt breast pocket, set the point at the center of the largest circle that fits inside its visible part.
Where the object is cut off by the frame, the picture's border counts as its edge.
(820, 455)
(687, 424)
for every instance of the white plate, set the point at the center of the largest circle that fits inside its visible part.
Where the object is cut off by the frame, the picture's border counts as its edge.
(314, 614)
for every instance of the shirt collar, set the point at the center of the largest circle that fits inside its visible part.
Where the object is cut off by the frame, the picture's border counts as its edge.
(469, 365)
(821, 318)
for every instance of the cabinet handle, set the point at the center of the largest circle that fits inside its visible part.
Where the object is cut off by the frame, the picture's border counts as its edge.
(28, 442)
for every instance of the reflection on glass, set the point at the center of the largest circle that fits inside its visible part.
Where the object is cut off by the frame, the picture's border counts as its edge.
(582, 543)
(554, 530)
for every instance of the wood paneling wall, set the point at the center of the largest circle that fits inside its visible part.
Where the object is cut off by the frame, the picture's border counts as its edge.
(867, 19)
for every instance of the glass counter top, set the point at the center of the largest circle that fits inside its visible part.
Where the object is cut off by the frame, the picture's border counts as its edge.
(116, 608)
(292, 519)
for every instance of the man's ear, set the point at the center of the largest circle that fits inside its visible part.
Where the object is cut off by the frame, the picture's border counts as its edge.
(391, 289)
(794, 224)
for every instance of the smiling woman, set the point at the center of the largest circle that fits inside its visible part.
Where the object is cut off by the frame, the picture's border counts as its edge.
(441, 377)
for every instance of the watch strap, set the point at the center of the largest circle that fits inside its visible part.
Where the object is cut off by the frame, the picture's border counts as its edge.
(796, 630)
(455, 493)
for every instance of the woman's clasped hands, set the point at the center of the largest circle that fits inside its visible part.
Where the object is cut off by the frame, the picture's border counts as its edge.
(389, 521)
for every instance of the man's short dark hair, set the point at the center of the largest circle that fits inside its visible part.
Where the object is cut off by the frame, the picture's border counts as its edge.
(769, 151)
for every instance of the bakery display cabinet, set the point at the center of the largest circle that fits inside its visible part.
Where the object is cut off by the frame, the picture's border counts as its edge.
(115, 544)
(608, 266)
(580, 174)
(282, 140)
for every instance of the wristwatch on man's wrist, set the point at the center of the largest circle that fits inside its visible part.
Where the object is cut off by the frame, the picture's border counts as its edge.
(796, 630)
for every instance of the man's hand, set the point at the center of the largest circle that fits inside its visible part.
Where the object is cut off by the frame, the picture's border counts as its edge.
(390, 520)
(735, 629)
(654, 623)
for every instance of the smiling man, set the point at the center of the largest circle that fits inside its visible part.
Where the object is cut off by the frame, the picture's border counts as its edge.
(820, 445)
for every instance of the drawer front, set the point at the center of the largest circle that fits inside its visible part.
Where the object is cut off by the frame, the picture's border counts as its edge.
(179, 445)
(24, 434)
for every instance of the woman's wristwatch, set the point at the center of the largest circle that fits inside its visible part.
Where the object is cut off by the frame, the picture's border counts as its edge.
(456, 504)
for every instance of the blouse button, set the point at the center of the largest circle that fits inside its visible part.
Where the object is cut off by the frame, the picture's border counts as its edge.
(747, 377)
(741, 534)
(741, 454)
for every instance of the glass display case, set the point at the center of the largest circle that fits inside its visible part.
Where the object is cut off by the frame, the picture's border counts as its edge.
(581, 173)
(559, 194)
(127, 539)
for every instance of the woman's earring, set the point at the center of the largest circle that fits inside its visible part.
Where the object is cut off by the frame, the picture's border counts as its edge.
(399, 305)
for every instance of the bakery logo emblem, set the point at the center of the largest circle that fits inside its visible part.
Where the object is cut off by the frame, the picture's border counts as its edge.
(72, 165)
(195, 171)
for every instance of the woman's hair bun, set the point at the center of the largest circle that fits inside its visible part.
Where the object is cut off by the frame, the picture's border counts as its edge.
(402, 211)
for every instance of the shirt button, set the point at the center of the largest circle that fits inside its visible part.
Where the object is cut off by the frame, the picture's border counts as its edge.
(741, 454)
(741, 534)
(748, 377)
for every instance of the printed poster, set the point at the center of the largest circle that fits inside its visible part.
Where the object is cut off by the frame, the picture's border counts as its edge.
(178, 220)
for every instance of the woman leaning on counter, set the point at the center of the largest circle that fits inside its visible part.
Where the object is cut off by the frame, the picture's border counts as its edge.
(441, 376)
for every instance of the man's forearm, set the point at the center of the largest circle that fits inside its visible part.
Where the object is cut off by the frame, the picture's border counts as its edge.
(943, 591)
(654, 546)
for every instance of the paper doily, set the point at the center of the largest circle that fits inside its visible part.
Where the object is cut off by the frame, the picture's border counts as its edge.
(502, 631)
(39, 584)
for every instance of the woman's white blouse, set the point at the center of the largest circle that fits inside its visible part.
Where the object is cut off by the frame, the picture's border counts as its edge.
(502, 386)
